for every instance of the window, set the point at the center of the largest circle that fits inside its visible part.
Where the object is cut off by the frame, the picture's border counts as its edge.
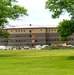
(46, 39)
(21, 30)
(46, 30)
(30, 36)
(16, 41)
(18, 35)
(54, 29)
(49, 40)
(30, 31)
(52, 39)
(57, 39)
(35, 40)
(19, 40)
(16, 30)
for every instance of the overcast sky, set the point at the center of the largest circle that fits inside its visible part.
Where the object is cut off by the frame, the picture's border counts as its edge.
(38, 15)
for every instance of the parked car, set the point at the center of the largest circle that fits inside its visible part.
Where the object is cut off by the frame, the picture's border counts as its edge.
(2, 47)
(26, 47)
(70, 46)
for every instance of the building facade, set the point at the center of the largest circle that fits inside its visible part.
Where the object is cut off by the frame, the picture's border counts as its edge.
(33, 36)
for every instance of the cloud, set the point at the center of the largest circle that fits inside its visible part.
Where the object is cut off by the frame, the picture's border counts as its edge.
(33, 4)
(38, 15)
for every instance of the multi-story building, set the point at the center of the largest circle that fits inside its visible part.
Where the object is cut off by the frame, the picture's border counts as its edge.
(33, 36)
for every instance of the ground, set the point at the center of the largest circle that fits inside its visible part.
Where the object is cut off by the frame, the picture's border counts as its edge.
(37, 62)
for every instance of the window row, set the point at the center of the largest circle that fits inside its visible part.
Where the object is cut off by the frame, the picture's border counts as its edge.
(49, 35)
(24, 30)
(40, 35)
(28, 40)
(4, 41)
(52, 40)
(70, 39)
(51, 30)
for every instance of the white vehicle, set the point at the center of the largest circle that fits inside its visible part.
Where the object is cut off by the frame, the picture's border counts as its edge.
(26, 47)
(70, 46)
(44, 46)
(2, 47)
(38, 47)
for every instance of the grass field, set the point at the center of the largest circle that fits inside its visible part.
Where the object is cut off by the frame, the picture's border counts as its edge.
(37, 62)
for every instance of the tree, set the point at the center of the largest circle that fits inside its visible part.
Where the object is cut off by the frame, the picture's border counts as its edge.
(9, 9)
(65, 29)
(60, 6)
(57, 7)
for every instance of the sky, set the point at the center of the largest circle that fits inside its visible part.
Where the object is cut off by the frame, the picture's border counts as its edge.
(37, 15)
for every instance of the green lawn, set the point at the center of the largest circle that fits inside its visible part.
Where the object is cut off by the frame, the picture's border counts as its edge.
(37, 62)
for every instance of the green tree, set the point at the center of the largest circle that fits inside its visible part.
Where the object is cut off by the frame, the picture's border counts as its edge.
(65, 29)
(10, 9)
(57, 7)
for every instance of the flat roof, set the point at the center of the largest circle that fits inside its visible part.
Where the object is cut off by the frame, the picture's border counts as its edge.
(28, 26)
(31, 28)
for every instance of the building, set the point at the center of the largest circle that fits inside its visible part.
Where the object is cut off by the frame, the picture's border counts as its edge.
(33, 36)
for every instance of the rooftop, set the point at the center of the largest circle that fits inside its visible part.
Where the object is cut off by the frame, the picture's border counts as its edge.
(30, 26)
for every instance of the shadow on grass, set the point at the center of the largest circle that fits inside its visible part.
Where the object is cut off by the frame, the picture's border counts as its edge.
(2, 55)
(70, 58)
